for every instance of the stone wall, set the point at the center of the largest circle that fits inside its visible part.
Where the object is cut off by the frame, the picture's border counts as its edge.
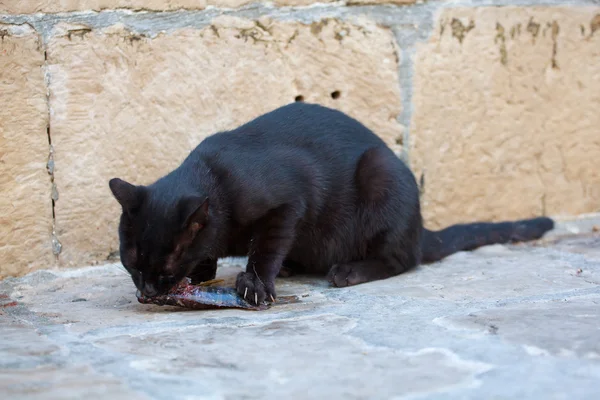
(495, 104)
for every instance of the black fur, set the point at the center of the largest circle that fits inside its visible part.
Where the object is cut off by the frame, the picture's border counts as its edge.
(303, 186)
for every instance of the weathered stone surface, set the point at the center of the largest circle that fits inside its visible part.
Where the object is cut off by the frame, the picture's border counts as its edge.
(581, 224)
(458, 329)
(570, 338)
(133, 107)
(25, 203)
(46, 6)
(521, 275)
(506, 121)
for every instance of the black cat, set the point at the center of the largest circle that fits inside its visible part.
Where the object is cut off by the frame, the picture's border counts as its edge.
(304, 187)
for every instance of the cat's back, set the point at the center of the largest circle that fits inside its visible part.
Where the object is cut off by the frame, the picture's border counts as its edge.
(311, 122)
(300, 124)
(299, 142)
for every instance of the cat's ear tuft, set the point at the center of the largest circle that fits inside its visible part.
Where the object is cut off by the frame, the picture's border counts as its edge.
(129, 196)
(194, 213)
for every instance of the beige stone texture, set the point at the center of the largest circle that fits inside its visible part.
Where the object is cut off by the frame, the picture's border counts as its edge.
(372, 2)
(506, 119)
(55, 6)
(133, 107)
(25, 203)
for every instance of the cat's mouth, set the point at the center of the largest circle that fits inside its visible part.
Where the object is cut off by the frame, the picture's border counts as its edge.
(150, 291)
(161, 293)
(140, 295)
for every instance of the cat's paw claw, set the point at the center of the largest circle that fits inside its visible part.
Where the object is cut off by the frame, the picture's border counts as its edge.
(253, 289)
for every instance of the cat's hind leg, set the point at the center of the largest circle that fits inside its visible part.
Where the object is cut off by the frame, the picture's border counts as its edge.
(389, 220)
(356, 272)
(389, 254)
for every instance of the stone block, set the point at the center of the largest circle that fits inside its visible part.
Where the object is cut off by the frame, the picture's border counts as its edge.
(45, 6)
(506, 122)
(131, 106)
(25, 204)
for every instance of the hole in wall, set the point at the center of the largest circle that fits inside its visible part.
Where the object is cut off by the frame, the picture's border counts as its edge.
(299, 98)
(336, 94)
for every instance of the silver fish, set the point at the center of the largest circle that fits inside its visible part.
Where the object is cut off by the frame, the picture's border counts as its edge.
(203, 296)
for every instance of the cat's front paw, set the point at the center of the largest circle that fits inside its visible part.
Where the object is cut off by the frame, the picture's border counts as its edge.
(253, 289)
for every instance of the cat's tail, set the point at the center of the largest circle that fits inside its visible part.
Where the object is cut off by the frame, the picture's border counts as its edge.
(436, 245)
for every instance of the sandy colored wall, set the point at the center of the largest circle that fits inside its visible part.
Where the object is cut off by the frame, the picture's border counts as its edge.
(495, 104)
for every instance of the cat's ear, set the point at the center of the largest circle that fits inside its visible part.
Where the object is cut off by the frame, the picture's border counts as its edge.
(129, 196)
(194, 213)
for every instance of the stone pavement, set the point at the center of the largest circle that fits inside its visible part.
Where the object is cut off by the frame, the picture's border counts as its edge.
(503, 322)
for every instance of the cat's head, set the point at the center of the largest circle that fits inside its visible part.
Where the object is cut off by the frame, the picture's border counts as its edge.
(162, 234)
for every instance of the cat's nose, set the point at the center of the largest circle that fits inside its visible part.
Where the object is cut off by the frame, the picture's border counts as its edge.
(149, 290)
